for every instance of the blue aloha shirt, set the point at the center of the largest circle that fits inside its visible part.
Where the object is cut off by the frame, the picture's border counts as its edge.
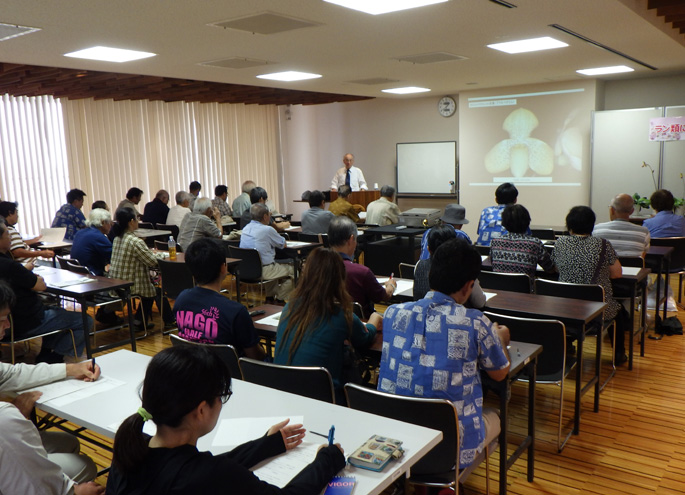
(425, 254)
(70, 217)
(432, 348)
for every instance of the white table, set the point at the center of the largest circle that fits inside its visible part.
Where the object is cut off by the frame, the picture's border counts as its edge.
(99, 412)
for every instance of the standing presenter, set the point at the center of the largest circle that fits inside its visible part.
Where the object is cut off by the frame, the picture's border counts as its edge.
(349, 175)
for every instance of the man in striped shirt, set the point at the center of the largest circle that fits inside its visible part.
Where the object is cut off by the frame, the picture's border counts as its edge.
(627, 238)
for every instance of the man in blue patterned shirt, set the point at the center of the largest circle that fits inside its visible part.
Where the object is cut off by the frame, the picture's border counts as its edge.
(490, 224)
(433, 347)
(70, 214)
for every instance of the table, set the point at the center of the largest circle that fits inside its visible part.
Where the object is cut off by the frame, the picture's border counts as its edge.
(54, 277)
(297, 250)
(658, 258)
(103, 412)
(151, 233)
(631, 283)
(267, 332)
(574, 312)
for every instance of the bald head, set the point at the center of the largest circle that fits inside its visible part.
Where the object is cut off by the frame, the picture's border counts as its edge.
(622, 206)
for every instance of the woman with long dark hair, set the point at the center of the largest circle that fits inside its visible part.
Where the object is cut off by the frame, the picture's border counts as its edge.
(132, 260)
(183, 393)
(318, 319)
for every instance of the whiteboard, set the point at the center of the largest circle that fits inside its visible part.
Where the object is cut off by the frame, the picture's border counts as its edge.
(426, 169)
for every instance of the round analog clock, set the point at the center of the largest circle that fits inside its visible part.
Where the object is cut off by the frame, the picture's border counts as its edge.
(447, 106)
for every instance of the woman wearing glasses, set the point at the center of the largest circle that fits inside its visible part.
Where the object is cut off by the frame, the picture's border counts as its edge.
(183, 392)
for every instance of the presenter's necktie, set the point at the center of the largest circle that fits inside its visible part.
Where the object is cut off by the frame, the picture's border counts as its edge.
(347, 178)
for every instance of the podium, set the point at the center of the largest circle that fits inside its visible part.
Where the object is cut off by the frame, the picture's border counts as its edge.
(359, 197)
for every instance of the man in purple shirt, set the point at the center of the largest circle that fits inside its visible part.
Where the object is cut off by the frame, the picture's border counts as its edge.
(665, 223)
(361, 282)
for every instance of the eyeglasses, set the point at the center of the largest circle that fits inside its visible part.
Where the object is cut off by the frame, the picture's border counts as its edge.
(224, 398)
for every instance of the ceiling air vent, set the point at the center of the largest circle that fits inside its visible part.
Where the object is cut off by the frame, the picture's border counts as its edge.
(431, 58)
(235, 63)
(265, 23)
(9, 31)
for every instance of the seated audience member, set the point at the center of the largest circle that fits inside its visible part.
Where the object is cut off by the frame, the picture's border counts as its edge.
(318, 320)
(19, 248)
(33, 461)
(383, 211)
(490, 223)
(177, 213)
(203, 314)
(242, 202)
(627, 238)
(219, 202)
(360, 281)
(585, 259)
(316, 219)
(133, 197)
(342, 207)
(259, 195)
(260, 236)
(70, 215)
(132, 260)
(91, 246)
(516, 251)
(447, 346)
(156, 211)
(204, 221)
(455, 215)
(665, 223)
(194, 189)
(99, 204)
(436, 236)
(32, 317)
(185, 408)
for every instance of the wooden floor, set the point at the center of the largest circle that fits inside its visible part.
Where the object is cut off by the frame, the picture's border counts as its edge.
(634, 445)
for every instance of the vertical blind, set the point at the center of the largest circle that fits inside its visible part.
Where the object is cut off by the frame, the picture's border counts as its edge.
(104, 147)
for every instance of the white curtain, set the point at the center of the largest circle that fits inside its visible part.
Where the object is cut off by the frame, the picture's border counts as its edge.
(115, 145)
(33, 159)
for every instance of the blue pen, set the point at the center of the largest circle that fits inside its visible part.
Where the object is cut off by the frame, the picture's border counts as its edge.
(331, 435)
(93, 365)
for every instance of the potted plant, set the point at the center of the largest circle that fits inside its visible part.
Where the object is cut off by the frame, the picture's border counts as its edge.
(641, 202)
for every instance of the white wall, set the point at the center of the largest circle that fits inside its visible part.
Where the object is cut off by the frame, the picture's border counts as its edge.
(645, 92)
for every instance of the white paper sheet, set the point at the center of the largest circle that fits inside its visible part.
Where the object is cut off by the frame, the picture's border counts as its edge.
(630, 270)
(272, 320)
(403, 285)
(236, 431)
(53, 235)
(489, 295)
(296, 244)
(66, 391)
(281, 469)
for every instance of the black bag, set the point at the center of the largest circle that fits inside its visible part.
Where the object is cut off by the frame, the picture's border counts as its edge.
(355, 369)
(670, 326)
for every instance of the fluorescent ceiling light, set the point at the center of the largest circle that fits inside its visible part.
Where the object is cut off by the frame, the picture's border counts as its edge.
(531, 45)
(290, 75)
(406, 91)
(108, 54)
(605, 70)
(376, 7)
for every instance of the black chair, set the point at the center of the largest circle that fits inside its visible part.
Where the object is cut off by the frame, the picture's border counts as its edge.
(358, 310)
(320, 238)
(250, 267)
(543, 234)
(11, 339)
(309, 381)
(513, 282)
(554, 364)
(482, 250)
(438, 467)
(176, 277)
(145, 225)
(226, 352)
(170, 227)
(62, 260)
(406, 270)
(633, 261)
(677, 265)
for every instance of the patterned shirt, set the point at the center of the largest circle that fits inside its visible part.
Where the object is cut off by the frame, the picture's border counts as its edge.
(425, 254)
(490, 225)
(519, 253)
(16, 243)
(432, 348)
(70, 217)
(132, 260)
(222, 206)
(627, 238)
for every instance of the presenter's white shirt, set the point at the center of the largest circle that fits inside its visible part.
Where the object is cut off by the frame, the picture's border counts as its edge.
(357, 181)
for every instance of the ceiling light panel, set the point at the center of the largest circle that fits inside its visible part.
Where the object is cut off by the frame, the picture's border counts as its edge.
(289, 76)
(529, 45)
(9, 31)
(598, 71)
(109, 54)
(406, 91)
(375, 7)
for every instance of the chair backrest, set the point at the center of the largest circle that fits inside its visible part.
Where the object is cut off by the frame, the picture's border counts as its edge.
(175, 278)
(482, 250)
(406, 270)
(322, 238)
(358, 310)
(63, 262)
(308, 381)
(550, 334)
(250, 266)
(543, 234)
(161, 246)
(514, 282)
(145, 225)
(226, 352)
(678, 255)
(76, 267)
(586, 292)
(438, 414)
(173, 228)
(634, 261)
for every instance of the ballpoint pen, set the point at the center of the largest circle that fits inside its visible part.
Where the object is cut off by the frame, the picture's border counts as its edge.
(331, 435)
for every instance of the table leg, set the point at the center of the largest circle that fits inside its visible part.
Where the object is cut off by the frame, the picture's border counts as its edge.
(643, 319)
(598, 364)
(667, 269)
(131, 329)
(532, 375)
(86, 330)
(633, 295)
(503, 435)
(579, 385)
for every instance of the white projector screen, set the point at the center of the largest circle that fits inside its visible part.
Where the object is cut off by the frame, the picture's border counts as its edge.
(427, 169)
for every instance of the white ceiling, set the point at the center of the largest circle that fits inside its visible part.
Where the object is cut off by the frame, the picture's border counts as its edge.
(346, 45)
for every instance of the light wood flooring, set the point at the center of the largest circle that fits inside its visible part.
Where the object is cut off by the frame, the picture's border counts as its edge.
(634, 445)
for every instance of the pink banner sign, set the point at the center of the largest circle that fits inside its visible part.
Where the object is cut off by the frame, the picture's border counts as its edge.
(667, 129)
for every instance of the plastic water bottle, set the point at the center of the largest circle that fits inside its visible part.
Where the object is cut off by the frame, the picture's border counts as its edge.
(172, 248)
